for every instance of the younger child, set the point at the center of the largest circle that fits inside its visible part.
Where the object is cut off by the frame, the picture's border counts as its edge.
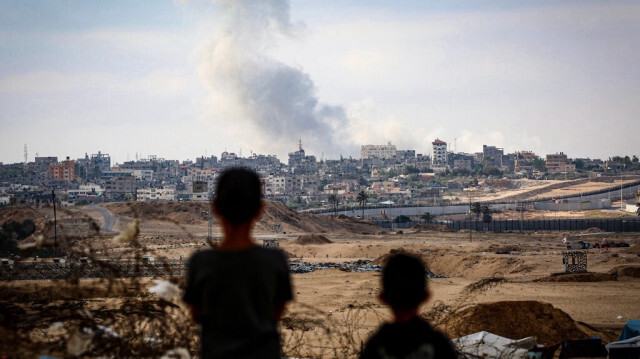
(404, 288)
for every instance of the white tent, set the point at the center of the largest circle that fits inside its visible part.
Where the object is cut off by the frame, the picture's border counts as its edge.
(487, 345)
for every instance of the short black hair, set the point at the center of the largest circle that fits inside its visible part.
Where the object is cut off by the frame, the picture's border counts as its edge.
(404, 285)
(238, 195)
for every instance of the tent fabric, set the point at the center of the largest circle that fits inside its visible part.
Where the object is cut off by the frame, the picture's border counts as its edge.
(630, 330)
(485, 344)
(631, 342)
(583, 348)
(628, 348)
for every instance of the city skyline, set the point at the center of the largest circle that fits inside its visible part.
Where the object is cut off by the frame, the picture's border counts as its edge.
(179, 79)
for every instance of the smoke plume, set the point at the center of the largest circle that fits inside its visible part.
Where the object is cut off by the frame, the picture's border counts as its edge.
(257, 100)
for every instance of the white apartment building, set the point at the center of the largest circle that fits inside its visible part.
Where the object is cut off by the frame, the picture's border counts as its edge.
(156, 194)
(439, 156)
(378, 151)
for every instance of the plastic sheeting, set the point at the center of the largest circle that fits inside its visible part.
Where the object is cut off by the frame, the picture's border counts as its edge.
(630, 330)
(488, 345)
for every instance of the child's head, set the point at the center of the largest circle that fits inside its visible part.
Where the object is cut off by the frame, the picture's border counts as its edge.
(404, 285)
(238, 195)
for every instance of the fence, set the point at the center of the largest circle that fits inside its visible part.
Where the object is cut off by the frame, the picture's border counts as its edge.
(97, 269)
(529, 225)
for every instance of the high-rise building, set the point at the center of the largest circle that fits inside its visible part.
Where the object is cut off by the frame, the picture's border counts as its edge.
(439, 156)
(378, 151)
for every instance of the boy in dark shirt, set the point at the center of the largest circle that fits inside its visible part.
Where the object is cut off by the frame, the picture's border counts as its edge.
(404, 288)
(238, 290)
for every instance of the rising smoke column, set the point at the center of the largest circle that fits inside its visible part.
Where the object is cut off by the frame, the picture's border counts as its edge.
(258, 100)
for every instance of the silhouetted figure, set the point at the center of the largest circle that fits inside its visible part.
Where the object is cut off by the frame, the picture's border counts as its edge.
(238, 290)
(404, 288)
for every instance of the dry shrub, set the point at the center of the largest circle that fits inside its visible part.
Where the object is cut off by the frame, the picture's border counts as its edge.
(310, 333)
(99, 307)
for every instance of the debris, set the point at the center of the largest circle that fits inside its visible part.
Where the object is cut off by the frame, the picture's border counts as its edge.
(177, 353)
(165, 290)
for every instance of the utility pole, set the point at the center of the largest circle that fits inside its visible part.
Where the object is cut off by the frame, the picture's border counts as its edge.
(55, 224)
(521, 216)
(621, 201)
(470, 233)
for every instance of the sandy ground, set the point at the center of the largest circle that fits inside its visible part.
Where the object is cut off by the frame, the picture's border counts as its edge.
(334, 311)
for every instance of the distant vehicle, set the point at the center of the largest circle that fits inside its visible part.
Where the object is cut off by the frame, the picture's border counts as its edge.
(148, 259)
(6, 262)
(85, 260)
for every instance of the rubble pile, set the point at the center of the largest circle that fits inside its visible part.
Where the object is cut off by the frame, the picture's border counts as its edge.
(362, 265)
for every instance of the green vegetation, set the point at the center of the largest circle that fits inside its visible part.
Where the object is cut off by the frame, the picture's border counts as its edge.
(362, 200)
(11, 233)
(401, 219)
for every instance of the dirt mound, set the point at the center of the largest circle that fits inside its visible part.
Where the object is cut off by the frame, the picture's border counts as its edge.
(291, 221)
(515, 320)
(19, 214)
(626, 271)
(593, 230)
(579, 277)
(312, 239)
(634, 249)
(177, 212)
(276, 215)
(432, 227)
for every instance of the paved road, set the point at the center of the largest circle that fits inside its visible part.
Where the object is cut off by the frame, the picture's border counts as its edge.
(108, 222)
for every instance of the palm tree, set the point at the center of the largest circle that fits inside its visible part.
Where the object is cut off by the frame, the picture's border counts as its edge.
(333, 199)
(427, 216)
(486, 213)
(362, 199)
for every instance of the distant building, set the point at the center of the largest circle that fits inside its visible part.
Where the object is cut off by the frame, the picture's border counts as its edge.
(118, 187)
(406, 154)
(300, 163)
(559, 163)
(524, 161)
(492, 155)
(378, 151)
(42, 164)
(439, 156)
(64, 170)
(462, 164)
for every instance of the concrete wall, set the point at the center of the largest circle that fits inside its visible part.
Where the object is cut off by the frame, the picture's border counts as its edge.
(573, 206)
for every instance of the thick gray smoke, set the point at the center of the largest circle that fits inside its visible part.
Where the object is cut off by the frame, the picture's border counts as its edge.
(257, 98)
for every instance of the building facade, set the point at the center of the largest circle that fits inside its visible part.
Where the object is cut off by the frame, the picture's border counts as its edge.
(378, 151)
(439, 155)
(64, 170)
(559, 163)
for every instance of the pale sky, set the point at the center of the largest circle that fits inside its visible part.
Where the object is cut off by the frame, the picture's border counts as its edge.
(181, 79)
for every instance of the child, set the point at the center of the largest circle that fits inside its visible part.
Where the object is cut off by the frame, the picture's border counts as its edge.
(238, 290)
(404, 288)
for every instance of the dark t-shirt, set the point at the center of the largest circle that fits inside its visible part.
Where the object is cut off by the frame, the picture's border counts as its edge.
(237, 291)
(414, 339)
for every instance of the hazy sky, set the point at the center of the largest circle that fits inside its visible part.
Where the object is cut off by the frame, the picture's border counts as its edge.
(187, 78)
